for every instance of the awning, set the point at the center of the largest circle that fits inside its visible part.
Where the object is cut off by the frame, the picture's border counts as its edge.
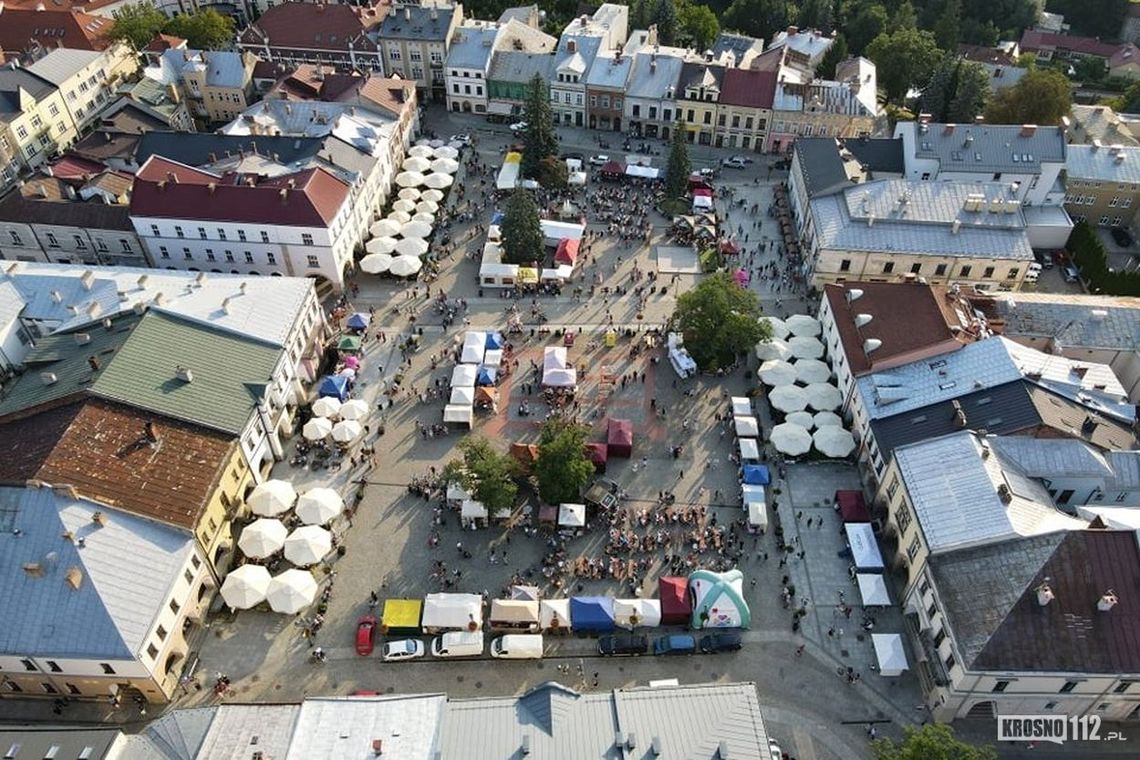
(890, 653)
(746, 426)
(673, 591)
(637, 613)
(756, 474)
(852, 507)
(572, 515)
(873, 590)
(864, 549)
(472, 509)
(749, 450)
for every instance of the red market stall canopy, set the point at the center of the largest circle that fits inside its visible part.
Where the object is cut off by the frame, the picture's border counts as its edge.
(598, 455)
(567, 252)
(619, 438)
(613, 167)
(524, 453)
(673, 592)
(852, 508)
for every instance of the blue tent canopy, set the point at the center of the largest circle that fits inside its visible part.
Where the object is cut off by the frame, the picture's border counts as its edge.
(359, 321)
(497, 217)
(494, 340)
(335, 386)
(486, 376)
(757, 475)
(592, 613)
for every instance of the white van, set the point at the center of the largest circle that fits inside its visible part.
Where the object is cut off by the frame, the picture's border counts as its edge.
(518, 646)
(458, 644)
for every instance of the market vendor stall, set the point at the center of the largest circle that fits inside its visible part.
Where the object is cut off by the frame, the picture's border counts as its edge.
(619, 438)
(756, 474)
(865, 553)
(890, 653)
(554, 615)
(401, 617)
(746, 426)
(637, 613)
(718, 600)
(514, 615)
(592, 614)
(599, 455)
(463, 376)
(873, 589)
(452, 612)
(852, 507)
(572, 516)
(473, 513)
(673, 592)
(567, 252)
(749, 450)
(474, 345)
(459, 414)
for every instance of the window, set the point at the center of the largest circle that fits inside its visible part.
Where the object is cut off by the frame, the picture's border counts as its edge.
(52, 242)
(48, 688)
(965, 271)
(721, 120)
(313, 262)
(264, 236)
(161, 633)
(174, 606)
(210, 255)
(241, 235)
(845, 265)
(248, 257)
(892, 488)
(987, 273)
(37, 122)
(154, 230)
(152, 651)
(186, 255)
(306, 238)
(1068, 687)
(915, 268)
(903, 518)
(1104, 219)
(940, 270)
(22, 132)
(15, 237)
(888, 267)
(28, 665)
(1065, 496)
(73, 689)
(53, 109)
(202, 232)
(637, 110)
(163, 252)
(230, 256)
(269, 257)
(1013, 273)
(415, 55)
(912, 550)
(1000, 686)
(950, 661)
(394, 54)
(107, 669)
(924, 587)
(708, 117)
(178, 231)
(221, 234)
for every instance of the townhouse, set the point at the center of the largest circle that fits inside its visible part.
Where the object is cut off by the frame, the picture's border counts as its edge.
(1085, 125)
(88, 79)
(217, 84)
(468, 61)
(509, 77)
(745, 108)
(605, 90)
(297, 32)
(34, 122)
(1102, 186)
(414, 41)
(998, 63)
(806, 107)
(805, 47)
(471, 59)
(30, 31)
(651, 108)
(698, 93)
(572, 60)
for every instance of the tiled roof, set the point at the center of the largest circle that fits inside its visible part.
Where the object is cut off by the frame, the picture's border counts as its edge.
(69, 167)
(104, 146)
(986, 147)
(320, 26)
(53, 28)
(514, 35)
(58, 208)
(163, 42)
(1100, 123)
(983, 54)
(752, 89)
(1033, 41)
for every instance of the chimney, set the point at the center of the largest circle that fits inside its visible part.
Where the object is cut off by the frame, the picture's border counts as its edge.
(571, 46)
(955, 226)
(212, 187)
(871, 220)
(948, 129)
(87, 279)
(141, 281)
(959, 414)
(631, 741)
(159, 299)
(525, 748)
(793, 31)
(284, 195)
(185, 374)
(47, 378)
(213, 158)
(82, 338)
(1004, 493)
(1044, 594)
(1028, 130)
(407, 13)
(93, 363)
(242, 287)
(655, 746)
(34, 569)
(1107, 601)
(56, 297)
(150, 432)
(200, 279)
(98, 518)
(226, 305)
(74, 577)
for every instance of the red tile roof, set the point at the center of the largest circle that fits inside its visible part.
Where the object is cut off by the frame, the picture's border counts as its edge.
(1032, 41)
(72, 166)
(53, 28)
(299, 25)
(753, 89)
(164, 42)
(316, 82)
(168, 189)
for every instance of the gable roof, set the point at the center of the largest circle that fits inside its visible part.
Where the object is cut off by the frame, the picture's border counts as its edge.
(318, 26)
(58, 208)
(13, 81)
(418, 22)
(52, 28)
(986, 147)
(654, 75)
(62, 64)
(749, 88)
(1033, 40)
(1076, 321)
(509, 66)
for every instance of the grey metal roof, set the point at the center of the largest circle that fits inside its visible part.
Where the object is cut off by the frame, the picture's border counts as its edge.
(417, 22)
(823, 169)
(653, 75)
(1120, 164)
(509, 66)
(128, 567)
(63, 63)
(1046, 458)
(471, 47)
(987, 147)
(1111, 322)
(877, 154)
(331, 728)
(36, 743)
(610, 72)
(14, 80)
(586, 50)
(174, 735)
(234, 729)
(223, 68)
(737, 44)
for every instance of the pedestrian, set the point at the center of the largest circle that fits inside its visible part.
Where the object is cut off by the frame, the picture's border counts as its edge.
(459, 547)
(799, 515)
(800, 650)
(871, 731)
(831, 633)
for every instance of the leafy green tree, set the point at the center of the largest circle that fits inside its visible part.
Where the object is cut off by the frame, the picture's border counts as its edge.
(758, 18)
(137, 24)
(665, 16)
(552, 173)
(934, 741)
(1129, 102)
(948, 28)
(719, 320)
(639, 14)
(204, 29)
(1042, 97)
(488, 475)
(957, 91)
(834, 56)
(1095, 18)
(539, 139)
(1089, 69)
(905, 58)
(562, 467)
(522, 232)
(698, 25)
(678, 169)
(869, 22)
(815, 14)
(904, 18)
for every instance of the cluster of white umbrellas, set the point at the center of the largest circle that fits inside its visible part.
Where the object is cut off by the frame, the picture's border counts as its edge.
(287, 593)
(320, 428)
(401, 238)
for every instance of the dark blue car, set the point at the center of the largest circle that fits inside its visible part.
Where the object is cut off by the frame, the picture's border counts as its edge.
(675, 644)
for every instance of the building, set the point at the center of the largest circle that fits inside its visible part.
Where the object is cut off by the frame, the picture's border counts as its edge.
(468, 62)
(217, 84)
(414, 41)
(509, 77)
(88, 79)
(651, 108)
(1085, 125)
(34, 122)
(299, 32)
(606, 84)
(31, 31)
(806, 47)
(572, 61)
(745, 108)
(826, 165)
(698, 93)
(610, 23)
(1102, 184)
(146, 105)
(1125, 62)
(998, 63)
(1047, 46)
(743, 48)
(845, 107)
(92, 744)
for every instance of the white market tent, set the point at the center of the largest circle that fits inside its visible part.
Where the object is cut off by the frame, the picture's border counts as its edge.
(438, 181)
(409, 179)
(864, 549)
(775, 348)
(411, 246)
(560, 378)
(474, 346)
(777, 372)
(463, 376)
(514, 613)
(790, 439)
(890, 653)
(509, 173)
(422, 151)
(751, 492)
(757, 514)
(746, 427)
(873, 589)
(633, 613)
(456, 492)
(572, 515)
(409, 193)
(408, 207)
(414, 229)
(432, 195)
(416, 164)
(749, 450)
(451, 612)
(779, 328)
(803, 325)
(493, 357)
(245, 587)
(399, 217)
(471, 509)
(554, 231)
(741, 406)
(459, 414)
(554, 613)
(463, 396)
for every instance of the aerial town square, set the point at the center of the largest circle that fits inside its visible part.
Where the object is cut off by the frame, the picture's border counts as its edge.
(696, 379)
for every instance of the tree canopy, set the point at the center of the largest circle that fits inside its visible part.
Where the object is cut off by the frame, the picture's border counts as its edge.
(1042, 97)
(905, 58)
(522, 232)
(562, 467)
(758, 18)
(539, 139)
(678, 169)
(698, 25)
(665, 17)
(137, 24)
(1094, 18)
(957, 91)
(934, 741)
(203, 30)
(488, 475)
(719, 321)
(834, 56)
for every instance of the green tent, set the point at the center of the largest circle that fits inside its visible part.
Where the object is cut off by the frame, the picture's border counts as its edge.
(349, 343)
(718, 600)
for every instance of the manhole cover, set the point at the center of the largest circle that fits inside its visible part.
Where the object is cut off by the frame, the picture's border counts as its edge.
(540, 666)
(459, 679)
(844, 653)
(478, 684)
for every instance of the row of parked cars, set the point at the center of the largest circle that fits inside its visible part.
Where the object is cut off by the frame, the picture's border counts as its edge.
(633, 644)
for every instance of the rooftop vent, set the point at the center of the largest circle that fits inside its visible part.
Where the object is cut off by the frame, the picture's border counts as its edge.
(525, 748)
(82, 338)
(99, 518)
(226, 305)
(74, 577)
(631, 741)
(955, 226)
(1098, 315)
(200, 279)
(1045, 594)
(985, 449)
(185, 374)
(140, 307)
(722, 750)
(870, 345)
(854, 294)
(47, 378)
(377, 747)
(34, 569)
(56, 297)
(862, 320)
(242, 287)
(1004, 493)
(1107, 601)
(142, 280)
(1028, 130)
(655, 746)
(87, 279)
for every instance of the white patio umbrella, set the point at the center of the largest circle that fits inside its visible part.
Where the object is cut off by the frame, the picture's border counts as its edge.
(811, 371)
(436, 143)
(417, 164)
(422, 151)
(427, 207)
(326, 406)
(405, 266)
(385, 228)
(399, 217)
(827, 419)
(245, 587)
(408, 207)
(445, 151)
(317, 429)
(262, 537)
(409, 179)
(790, 439)
(803, 419)
(409, 194)
(775, 348)
(776, 372)
(804, 326)
(833, 442)
(438, 181)
(385, 244)
(376, 263)
(416, 230)
(788, 398)
(445, 165)
(411, 247)
(823, 397)
(347, 431)
(308, 545)
(431, 195)
(354, 409)
(779, 329)
(421, 216)
(319, 505)
(272, 498)
(291, 591)
(805, 348)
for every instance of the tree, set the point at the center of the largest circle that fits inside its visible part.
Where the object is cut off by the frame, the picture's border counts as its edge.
(539, 138)
(935, 741)
(665, 16)
(815, 14)
(522, 233)
(868, 24)
(204, 29)
(553, 173)
(758, 18)
(957, 91)
(904, 18)
(1095, 18)
(485, 473)
(948, 27)
(562, 467)
(699, 25)
(639, 14)
(1129, 102)
(1042, 97)
(905, 58)
(137, 24)
(835, 55)
(678, 169)
(719, 320)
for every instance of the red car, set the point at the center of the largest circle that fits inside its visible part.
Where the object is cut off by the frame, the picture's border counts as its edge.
(365, 635)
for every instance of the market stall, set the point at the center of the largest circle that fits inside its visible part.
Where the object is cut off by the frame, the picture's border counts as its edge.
(673, 592)
(756, 474)
(746, 426)
(463, 376)
(852, 507)
(452, 612)
(473, 513)
(572, 516)
(599, 455)
(873, 589)
(514, 615)
(592, 614)
(459, 414)
(749, 450)
(401, 617)
(637, 613)
(619, 438)
(335, 386)
(567, 252)
(474, 345)
(741, 406)
(890, 653)
(757, 516)
(462, 396)
(718, 600)
(554, 615)
(865, 553)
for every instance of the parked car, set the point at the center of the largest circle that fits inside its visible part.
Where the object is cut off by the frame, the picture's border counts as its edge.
(463, 138)
(1071, 273)
(675, 644)
(518, 646)
(734, 162)
(1122, 237)
(519, 126)
(365, 635)
(744, 158)
(774, 750)
(599, 159)
(715, 643)
(708, 171)
(623, 644)
(575, 156)
(404, 649)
